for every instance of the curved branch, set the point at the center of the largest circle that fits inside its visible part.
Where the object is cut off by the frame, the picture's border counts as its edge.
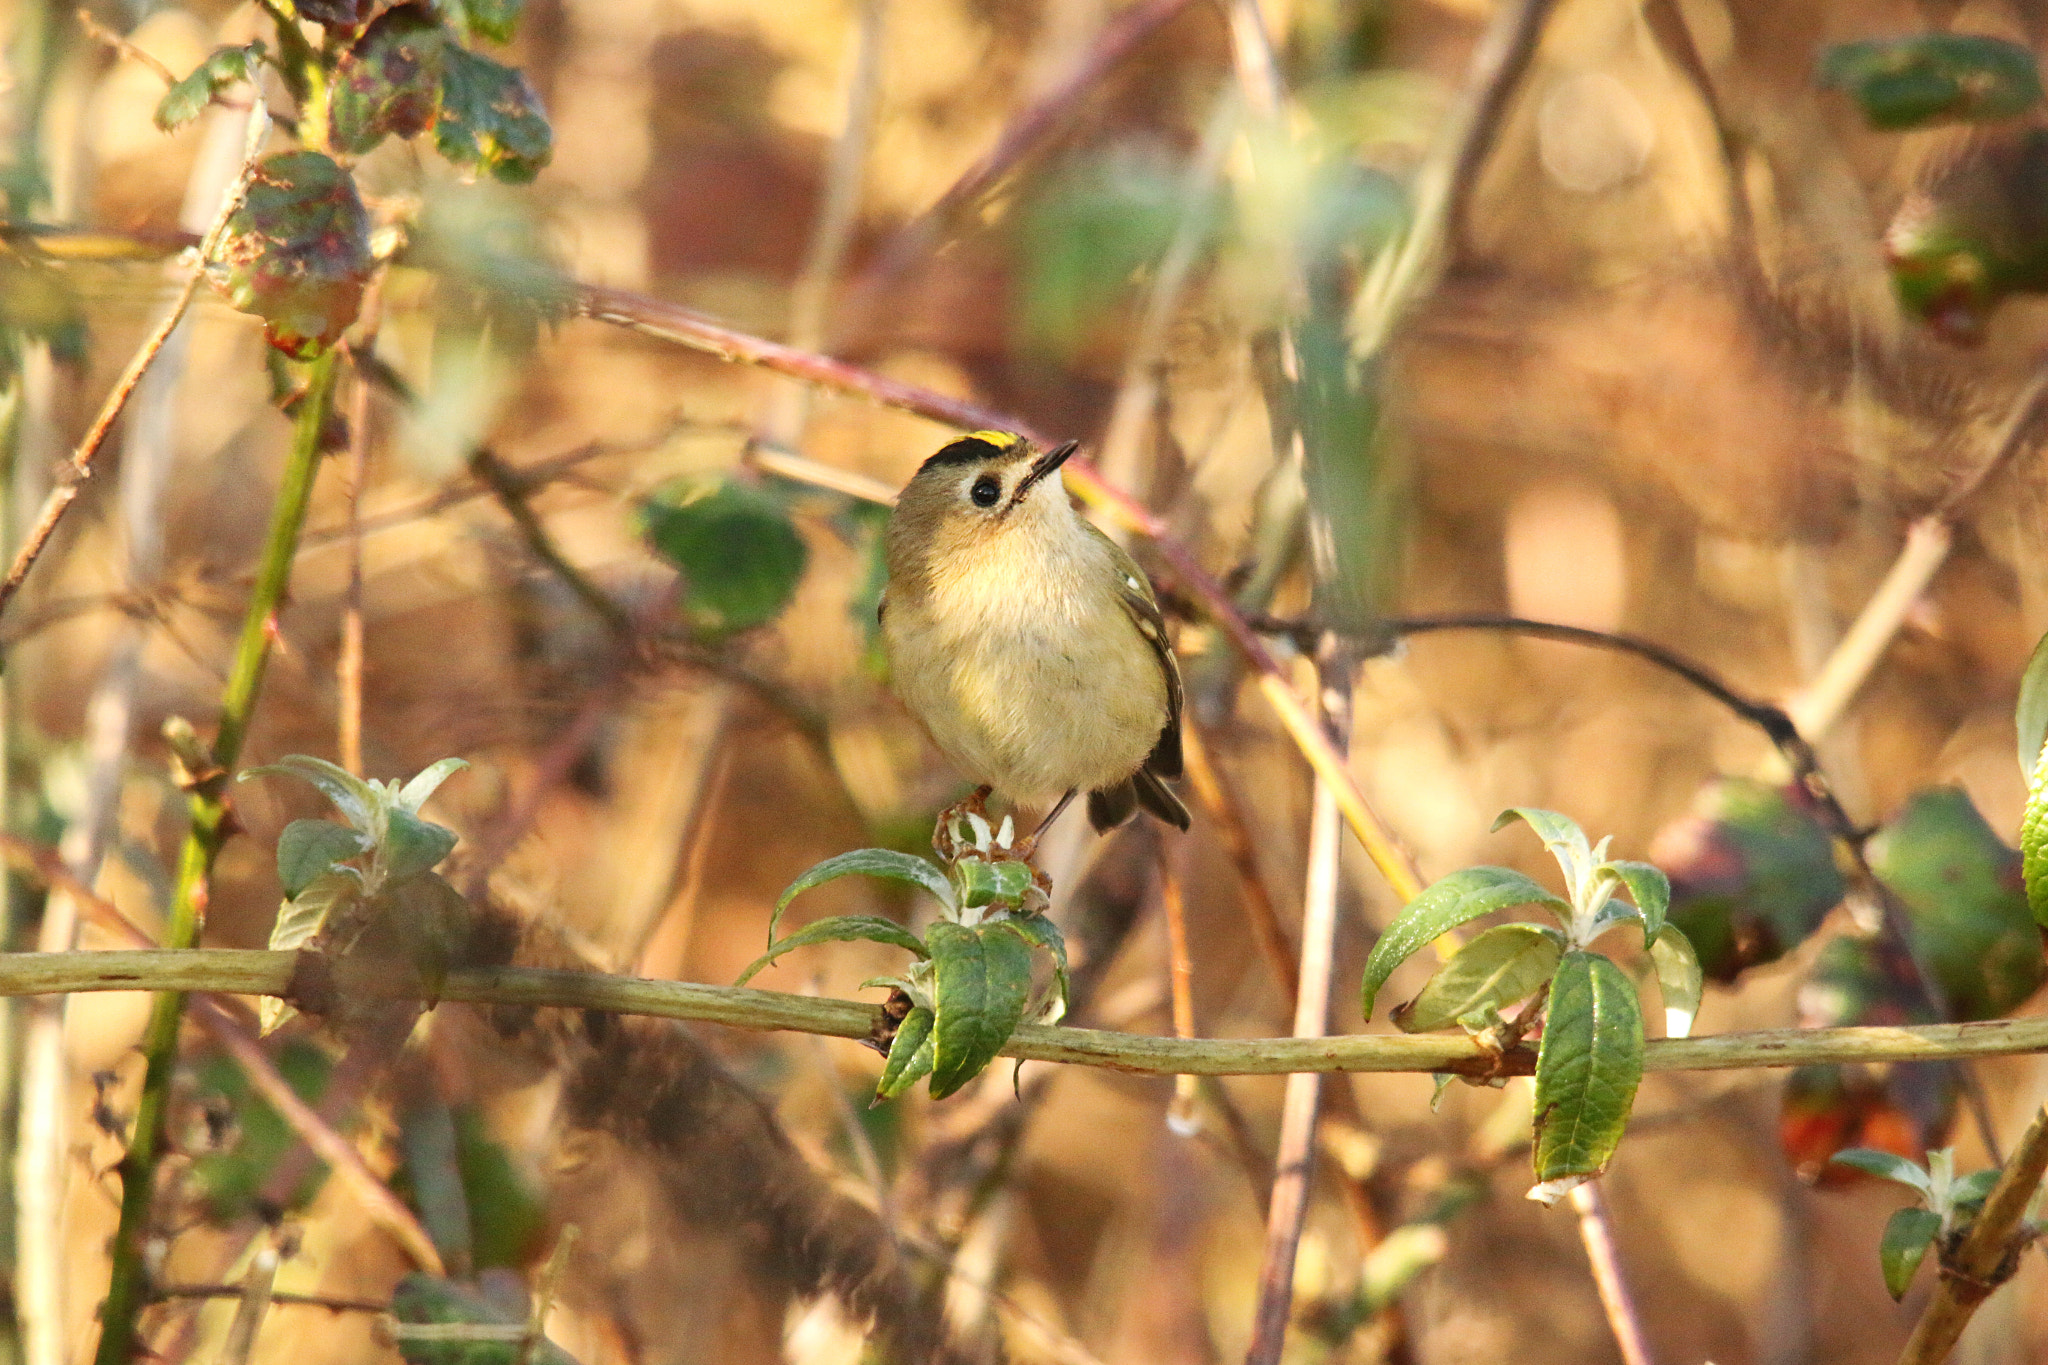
(246, 972)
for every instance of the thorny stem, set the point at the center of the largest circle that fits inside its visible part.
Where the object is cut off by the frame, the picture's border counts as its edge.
(672, 322)
(1987, 1255)
(249, 972)
(127, 1288)
(73, 474)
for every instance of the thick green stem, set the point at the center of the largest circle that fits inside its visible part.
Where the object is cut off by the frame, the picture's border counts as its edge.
(127, 1288)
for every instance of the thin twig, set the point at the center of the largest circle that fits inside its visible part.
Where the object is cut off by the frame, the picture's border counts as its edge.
(211, 826)
(1220, 804)
(1988, 1254)
(258, 1283)
(1596, 1229)
(683, 326)
(385, 1208)
(72, 475)
(278, 1298)
(1667, 23)
(1025, 135)
(252, 972)
(1180, 977)
(544, 1296)
(122, 44)
(511, 492)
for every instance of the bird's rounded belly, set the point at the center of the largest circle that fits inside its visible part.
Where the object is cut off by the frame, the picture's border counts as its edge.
(1026, 716)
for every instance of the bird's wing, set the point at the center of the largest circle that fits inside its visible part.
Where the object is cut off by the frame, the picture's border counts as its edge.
(1134, 592)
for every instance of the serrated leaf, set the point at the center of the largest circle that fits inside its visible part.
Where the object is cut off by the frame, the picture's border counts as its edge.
(1648, 887)
(982, 882)
(1907, 1236)
(981, 978)
(224, 66)
(388, 83)
(1679, 980)
(1444, 905)
(733, 543)
(297, 252)
(426, 782)
(1499, 967)
(1933, 78)
(309, 849)
(490, 118)
(868, 862)
(1887, 1166)
(1587, 1068)
(354, 798)
(1042, 932)
(412, 845)
(910, 1055)
(838, 929)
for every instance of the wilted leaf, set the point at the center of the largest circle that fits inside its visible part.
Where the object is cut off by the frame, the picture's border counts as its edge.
(309, 849)
(910, 1055)
(1907, 1236)
(389, 81)
(1752, 874)
(1965, 898)
(1933, 78)
(1587, 1068)
(490, 118)
(981, 978)
(297, 252)
(837, 929)
(739, 556)
(1446, 904)
(223, 67)
(1497, 968)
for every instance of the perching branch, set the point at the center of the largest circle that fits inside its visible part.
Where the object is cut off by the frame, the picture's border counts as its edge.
(247, 972)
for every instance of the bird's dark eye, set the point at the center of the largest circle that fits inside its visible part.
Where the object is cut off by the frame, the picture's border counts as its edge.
(986, 490)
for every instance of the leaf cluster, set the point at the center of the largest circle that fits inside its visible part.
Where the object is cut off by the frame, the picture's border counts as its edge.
(375, 868)
(970, 980)
(1948, 1204)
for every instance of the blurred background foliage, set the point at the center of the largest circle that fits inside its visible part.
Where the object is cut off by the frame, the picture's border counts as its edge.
(1702, 336)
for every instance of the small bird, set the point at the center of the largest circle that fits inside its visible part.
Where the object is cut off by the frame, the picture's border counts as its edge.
(1025, 640)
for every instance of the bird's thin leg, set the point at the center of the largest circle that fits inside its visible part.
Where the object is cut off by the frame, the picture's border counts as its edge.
(1023, 851)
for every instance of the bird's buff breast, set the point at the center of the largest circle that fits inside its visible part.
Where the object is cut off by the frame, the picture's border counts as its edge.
(991, 661)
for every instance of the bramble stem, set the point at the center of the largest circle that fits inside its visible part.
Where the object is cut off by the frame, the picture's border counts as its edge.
(246, 972)
(127, 1287)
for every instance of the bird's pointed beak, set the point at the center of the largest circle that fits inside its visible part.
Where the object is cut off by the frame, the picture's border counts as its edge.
(1042, 466)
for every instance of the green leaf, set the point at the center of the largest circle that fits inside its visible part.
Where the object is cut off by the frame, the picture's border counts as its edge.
(1499, 967)
(309, 849)
(1973, 1189)
(492, 19)
(412, 845)
(910, 1055)
(1966, 902)
(1587, 1068)
(1444, 905)
(389, 81)
(1907, 1236)
(223, 67)
(738, 553)
(868, 862)
(838, 929)
(356, 799)
(1560, 834)
(981, 978)
(982, 882)
(300, 921)
(1887, 1166)
(416, 793)
(1679, 979)
(2034, 846)
(1042, 932)
(1752, 873)
(1933, 78)
(490, 118)
(297, 252)
(1648, 887)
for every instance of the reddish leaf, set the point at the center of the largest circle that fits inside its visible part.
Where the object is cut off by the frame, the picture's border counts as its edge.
(297, 253)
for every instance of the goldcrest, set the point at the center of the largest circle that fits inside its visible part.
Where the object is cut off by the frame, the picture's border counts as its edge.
(1027, 642)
